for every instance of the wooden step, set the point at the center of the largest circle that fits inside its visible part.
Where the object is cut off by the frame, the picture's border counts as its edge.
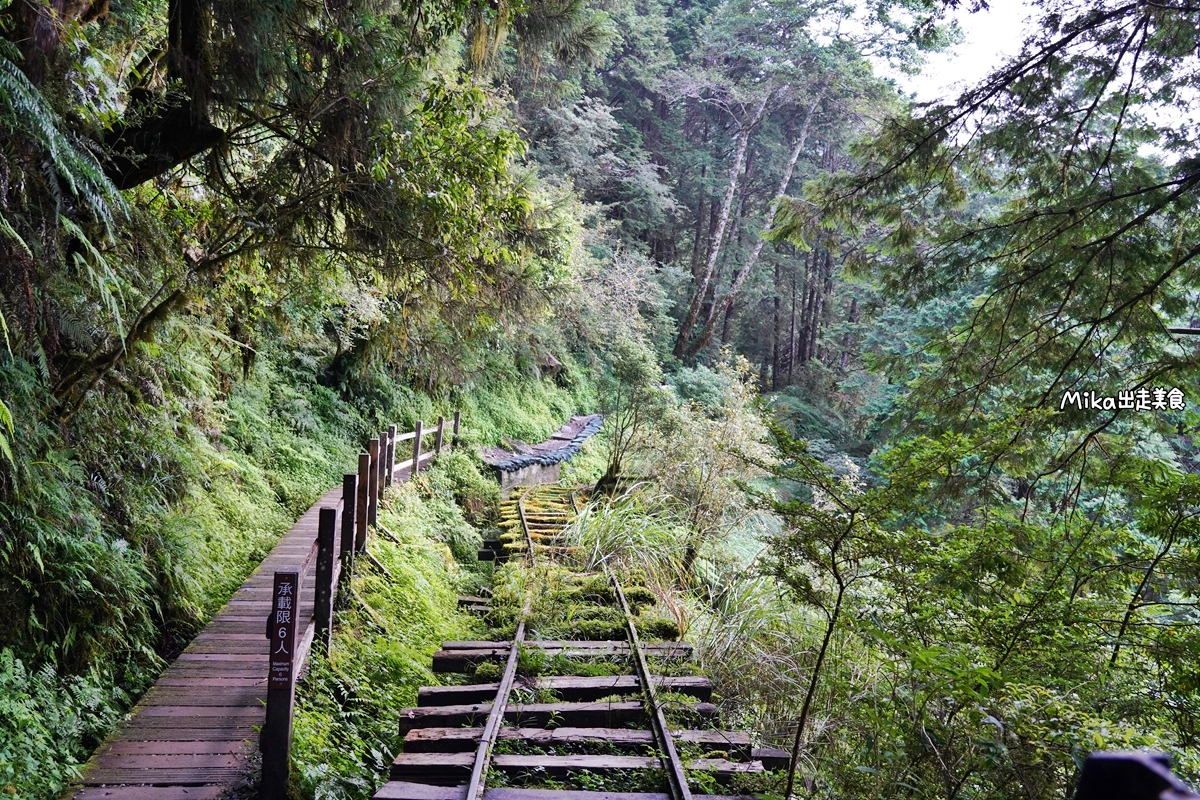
(449, 769)
(167, 776)
(568, 687)
(465, 659)
(189, 792)
(444, 769)
(405, 790)
(598, 715)
(772, 758)
(456, 740)
(538, 715)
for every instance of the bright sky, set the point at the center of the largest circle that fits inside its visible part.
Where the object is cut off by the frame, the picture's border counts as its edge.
(989, 36)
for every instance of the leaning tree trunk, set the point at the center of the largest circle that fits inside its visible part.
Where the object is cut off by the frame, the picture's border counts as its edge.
(726, 300)
(146, 145)
(714, 249)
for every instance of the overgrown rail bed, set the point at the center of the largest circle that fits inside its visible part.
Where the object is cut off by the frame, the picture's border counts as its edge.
(571, 704)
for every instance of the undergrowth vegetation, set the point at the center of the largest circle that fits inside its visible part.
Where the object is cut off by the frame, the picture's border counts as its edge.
(120, 546)
(390, 623)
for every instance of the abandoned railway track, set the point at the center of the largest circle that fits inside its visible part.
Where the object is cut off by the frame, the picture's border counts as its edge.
(590, 704)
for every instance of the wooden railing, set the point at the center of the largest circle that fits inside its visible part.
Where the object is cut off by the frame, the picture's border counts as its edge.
(341, 536)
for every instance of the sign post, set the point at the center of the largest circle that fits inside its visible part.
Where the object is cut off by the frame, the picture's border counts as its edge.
(276, 740)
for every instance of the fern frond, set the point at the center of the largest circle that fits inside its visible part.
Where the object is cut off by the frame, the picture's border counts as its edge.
(77, 332)
(98, 272)
(24, 111)
(7, 421)
(7, 229)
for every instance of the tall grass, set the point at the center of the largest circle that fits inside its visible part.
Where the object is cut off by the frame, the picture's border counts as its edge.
(638, 531)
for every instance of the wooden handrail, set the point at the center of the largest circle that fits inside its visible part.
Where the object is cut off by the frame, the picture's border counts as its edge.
(341, 532)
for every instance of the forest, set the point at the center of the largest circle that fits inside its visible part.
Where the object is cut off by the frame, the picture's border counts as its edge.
(905, 388)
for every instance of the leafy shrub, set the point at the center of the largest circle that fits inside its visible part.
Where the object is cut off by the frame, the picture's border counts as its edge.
(458, 474)
(47, 725)
(706, 387)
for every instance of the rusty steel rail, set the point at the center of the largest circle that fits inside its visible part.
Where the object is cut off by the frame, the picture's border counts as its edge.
(676, 776)
(487, 742)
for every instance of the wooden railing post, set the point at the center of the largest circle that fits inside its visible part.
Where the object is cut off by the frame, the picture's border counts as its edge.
(381, 468)
(457, 420)
(416, 450)
(373, 483)
(349, 511)
(323, 612)
(390, 467)
(276, 738)
(437, 442)
(363, 506)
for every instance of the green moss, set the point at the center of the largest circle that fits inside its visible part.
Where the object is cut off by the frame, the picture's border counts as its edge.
(639, 780)
(488, 672)
(345, 725)
(657, 628)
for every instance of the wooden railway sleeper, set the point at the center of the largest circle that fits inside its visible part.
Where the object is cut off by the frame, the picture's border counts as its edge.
(586, 714)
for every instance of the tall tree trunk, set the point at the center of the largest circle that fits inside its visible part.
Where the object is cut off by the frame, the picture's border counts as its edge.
(727, 326)
(826, 299)
(775, 336)
(740, 214)
(698, 242)
(38, 26)
(188, 23)
(714, 250)
(810, 332)
(792, 333)
(806, 311)
(852, 318)
(706, 333)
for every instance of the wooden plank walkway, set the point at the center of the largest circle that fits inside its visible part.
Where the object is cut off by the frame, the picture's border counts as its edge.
(193, 733)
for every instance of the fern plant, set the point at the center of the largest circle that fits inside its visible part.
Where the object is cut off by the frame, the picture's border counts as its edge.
(24, 112)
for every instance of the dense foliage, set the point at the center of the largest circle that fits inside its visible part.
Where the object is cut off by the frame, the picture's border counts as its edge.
(236, 238)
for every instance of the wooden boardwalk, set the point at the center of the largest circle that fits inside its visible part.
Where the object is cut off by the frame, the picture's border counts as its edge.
(193, 734)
